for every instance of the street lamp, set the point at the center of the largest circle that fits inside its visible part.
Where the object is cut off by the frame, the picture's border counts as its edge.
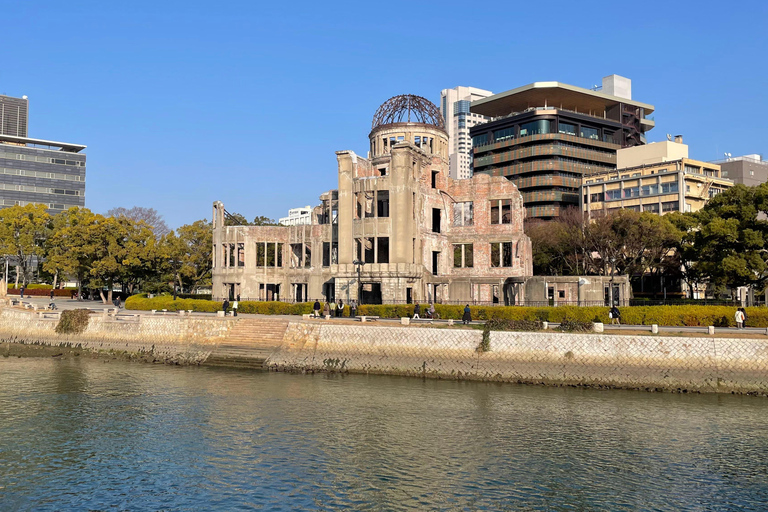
(359, 265)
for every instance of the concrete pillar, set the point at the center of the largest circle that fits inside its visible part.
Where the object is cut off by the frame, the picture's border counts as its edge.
(711, 329)
(655, 329)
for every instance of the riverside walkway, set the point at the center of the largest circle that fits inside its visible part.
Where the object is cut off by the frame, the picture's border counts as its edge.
(99, 306)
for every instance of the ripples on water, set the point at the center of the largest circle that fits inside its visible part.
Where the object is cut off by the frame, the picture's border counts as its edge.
(90, 435)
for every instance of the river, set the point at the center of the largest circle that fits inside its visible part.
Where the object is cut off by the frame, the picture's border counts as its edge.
(86, 434)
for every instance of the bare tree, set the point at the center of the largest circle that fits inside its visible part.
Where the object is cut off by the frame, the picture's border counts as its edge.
(150, 216)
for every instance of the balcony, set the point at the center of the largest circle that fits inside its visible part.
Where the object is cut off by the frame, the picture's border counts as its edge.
(545, 150)
(545, 136)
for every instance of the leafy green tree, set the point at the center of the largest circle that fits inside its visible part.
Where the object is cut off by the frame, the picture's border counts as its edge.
(68, 250)
(728, 240)
(188, 254)
(261, 220)
(23, 231)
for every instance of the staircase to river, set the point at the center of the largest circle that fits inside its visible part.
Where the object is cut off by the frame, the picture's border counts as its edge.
(249, 343)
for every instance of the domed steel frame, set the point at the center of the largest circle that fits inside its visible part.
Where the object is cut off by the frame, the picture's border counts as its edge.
(408, 108)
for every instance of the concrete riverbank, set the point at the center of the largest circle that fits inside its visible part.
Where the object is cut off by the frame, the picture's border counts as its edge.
(695, 364)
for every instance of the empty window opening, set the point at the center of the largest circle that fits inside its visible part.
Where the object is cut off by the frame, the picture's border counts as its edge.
(382, 203)
(434, 179)
(435, 220)
(382, 250)
(435, 262)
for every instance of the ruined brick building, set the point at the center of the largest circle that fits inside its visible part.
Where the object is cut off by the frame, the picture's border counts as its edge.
(397, 229)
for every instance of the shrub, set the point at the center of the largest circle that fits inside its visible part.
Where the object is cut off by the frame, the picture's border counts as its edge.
(142, 303)
(73, 321)
(41, 292)
(568, 325)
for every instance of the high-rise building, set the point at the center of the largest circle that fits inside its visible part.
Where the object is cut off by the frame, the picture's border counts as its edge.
(454, 106)
(546, 135)
(297, 217)
(14, 114)
(36, 170)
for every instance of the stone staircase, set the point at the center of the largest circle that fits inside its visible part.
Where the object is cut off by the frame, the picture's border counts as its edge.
(249, 343)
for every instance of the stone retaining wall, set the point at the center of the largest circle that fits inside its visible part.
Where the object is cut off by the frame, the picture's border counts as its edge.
(173, 339)
(656, 362)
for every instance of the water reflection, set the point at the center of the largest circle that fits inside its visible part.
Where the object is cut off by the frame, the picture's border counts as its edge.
(85, 434)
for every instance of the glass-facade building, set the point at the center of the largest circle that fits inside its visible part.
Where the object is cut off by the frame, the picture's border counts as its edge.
(546, 136)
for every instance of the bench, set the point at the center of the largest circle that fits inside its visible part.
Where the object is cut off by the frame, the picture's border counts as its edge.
(366, 318)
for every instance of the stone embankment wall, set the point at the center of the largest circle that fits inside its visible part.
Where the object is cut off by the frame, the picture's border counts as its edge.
(644, 362)
(173, 339)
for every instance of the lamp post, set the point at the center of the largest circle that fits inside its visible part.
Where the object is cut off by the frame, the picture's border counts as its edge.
(359, 264)
(613, 273)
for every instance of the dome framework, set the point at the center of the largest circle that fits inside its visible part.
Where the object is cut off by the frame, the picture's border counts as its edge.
(407, 108)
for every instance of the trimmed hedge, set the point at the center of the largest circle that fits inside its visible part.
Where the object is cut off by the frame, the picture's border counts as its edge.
(719, 316)
(142, 303)
(41, 292)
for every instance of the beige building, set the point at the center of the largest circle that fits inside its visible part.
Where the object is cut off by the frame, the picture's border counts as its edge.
(397, 229)
(657, 178)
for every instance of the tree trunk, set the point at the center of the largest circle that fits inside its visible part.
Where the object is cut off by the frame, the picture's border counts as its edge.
(79, 289)
(109, 293)
(17, 277)
(103, 298)
(55, 278)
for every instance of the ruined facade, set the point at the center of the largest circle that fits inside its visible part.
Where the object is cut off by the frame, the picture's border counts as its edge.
(397, 229)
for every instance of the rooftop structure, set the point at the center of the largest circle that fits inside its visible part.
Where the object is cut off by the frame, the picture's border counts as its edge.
(297, 216)
(546, 136)
(14, 116)
(750, 170)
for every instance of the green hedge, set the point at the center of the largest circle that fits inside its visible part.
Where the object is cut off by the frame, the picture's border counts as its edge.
(720, 316)
(142, 303)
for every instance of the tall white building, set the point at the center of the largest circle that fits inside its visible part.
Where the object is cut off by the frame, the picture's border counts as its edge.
(454, 105)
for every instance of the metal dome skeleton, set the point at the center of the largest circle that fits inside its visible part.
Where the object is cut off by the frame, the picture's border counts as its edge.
(408, 108)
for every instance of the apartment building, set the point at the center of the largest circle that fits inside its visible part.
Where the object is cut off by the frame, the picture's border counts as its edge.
(454, 106)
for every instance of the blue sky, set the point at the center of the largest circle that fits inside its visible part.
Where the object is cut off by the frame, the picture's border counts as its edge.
(184, 103)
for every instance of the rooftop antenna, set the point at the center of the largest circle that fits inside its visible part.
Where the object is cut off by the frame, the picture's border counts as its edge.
(727, 156)
(669, 137)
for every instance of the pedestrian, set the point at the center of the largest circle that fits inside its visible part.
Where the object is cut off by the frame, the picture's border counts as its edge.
(353, 308)
(615, 315)
(234, 306)
(316, 308)
(327, 310)
(51, 293)
(22, 291)
(340, 309)
(739, 319)
(467, 315)
(431, 312)
(416, 310)
(744, 313)
(333, 307)
(225, 306)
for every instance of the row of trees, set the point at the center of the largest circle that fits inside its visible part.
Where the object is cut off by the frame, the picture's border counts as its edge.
(722, 245)
(103, 252)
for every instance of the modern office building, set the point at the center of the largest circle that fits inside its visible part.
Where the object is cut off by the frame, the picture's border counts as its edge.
(14, 116)
(36, 170)
(546, 136)
(657, 178)
(397, 229)
(454, 106)
(297, 217)
(750, 170)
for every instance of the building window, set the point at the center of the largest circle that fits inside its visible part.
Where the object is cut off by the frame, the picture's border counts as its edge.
(597, 198)
(631, 192)
(435, 220)
(501, 254)
(670, 206)
(649, 190)
(589, 133)
(382, 203)
(480, 140)
(365, 250)
(652, 208)
(307, 255)
(382, 249)
(566, 128)
(240, 255)
(296, 254)
(669, 188)
(505, 134)
(536, 127)
(501, 212)
(463, 214)
(434, 179)
(463, 256)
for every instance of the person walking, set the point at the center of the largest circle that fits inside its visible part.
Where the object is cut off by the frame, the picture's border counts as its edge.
(22, 291)
(739, 319)
(431, 313)
(467, 318)
(225, 306)
(340, 309)
(615, 315)
(416, 310)
(353, 308)
(327, 310)
(316, 308)
(234, 307)
(51, 293)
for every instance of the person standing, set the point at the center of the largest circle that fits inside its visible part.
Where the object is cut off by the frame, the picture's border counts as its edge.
(353, 309)
(225, 306)
(316, 308)
(416, 310)
(467, 318)
(234, 307)
(615, 315)
(739, 319)
(327, 310)
(51, 293)
(333, 308)
(340, 309)
(22, 291)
